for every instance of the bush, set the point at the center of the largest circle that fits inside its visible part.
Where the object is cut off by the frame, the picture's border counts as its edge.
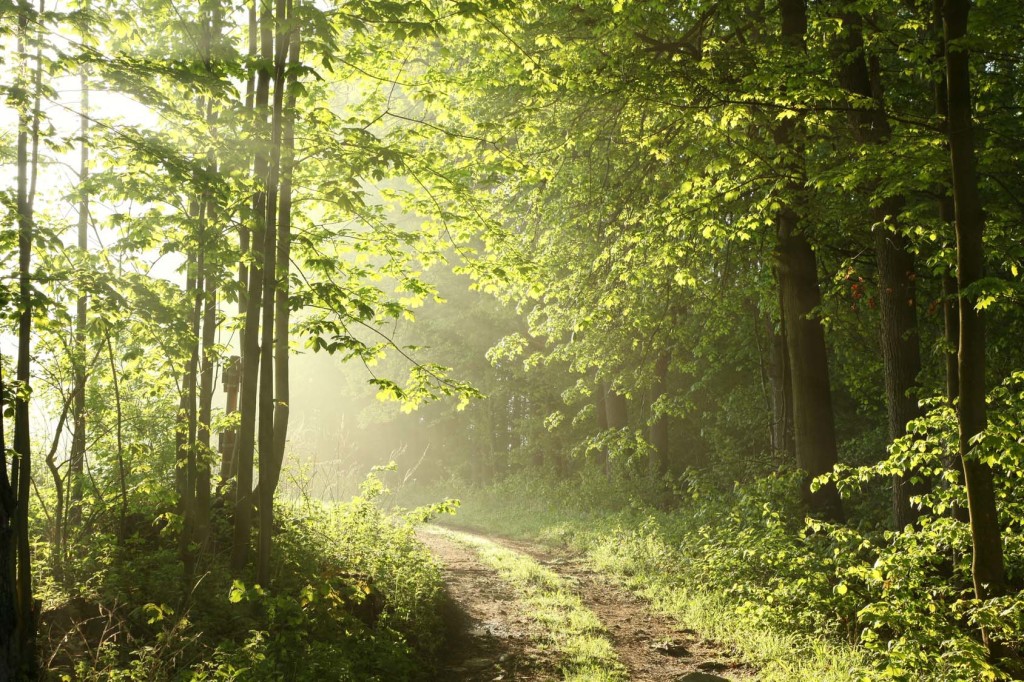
(353, 596)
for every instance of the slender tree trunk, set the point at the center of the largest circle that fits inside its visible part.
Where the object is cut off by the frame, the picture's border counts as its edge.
(204, 452)
(988, 568)
(122, 472)
(659, 424)
(76, 469)
(248, 395)
(10, 614)
(813, 420)
(950, 289)
(188, 416)
(284, 224)
(28, 127)
(601, 411)
(273, 51)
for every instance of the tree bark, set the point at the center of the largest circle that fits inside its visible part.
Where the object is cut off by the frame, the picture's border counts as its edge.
(897, 291)
(659, 424)
(27, 164)
(187, 426)
(274, 51)
(601, 412)
(10, 616)
(76, 468)
(284, 225)
(950, 289)
(813, 420)
(780, 382)
(987, 567)
(204, 453)
(245, 443)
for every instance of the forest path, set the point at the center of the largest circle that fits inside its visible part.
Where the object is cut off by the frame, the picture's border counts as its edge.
(490, 636)
(500, 641)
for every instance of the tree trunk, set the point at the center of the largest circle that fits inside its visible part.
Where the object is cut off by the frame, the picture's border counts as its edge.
(274, 50)
(780, 383)
(245, 443)
(284, 226)
(26, 610)
(618, 419)
(10, 615)
(76, 468)
(188, 417)
(601, 411)
(950, 290)
(988, 568)
(122, 473)
(813, 421)
(900, 343)
(659, 422)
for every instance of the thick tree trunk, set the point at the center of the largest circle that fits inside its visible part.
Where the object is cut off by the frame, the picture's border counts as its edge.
(897, 292)
(618, 410)
(988, 568)
(618, 419)
(813, 420)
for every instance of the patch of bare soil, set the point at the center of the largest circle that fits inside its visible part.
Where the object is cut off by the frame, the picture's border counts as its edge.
(650, 645)
(490, 637)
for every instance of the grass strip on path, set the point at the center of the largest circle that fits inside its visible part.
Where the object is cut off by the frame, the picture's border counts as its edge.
(576, 634)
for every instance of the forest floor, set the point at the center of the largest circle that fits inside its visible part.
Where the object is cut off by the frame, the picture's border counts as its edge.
(497, 635)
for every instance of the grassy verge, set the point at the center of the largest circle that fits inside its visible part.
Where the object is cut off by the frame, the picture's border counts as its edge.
(657, 555)
(575, 632)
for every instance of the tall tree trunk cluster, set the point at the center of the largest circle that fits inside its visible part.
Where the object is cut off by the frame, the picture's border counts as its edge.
(262, 400)
(263, 395)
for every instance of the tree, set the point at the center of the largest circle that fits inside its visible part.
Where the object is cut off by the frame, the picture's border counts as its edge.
(988, 568)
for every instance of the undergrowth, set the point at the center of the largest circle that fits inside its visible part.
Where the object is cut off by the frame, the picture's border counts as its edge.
(353, 596)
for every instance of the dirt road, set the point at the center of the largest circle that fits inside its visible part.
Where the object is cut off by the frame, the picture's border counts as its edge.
(494, 637)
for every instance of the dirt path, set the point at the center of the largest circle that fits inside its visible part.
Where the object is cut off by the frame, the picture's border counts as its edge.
(651, 647)
(491, 638)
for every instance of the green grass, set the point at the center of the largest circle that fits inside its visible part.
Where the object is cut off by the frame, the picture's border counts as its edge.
(576, 634)
(780, 657)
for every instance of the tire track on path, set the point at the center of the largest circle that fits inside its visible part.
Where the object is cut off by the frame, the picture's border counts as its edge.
(490, 636)
(649, 645)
